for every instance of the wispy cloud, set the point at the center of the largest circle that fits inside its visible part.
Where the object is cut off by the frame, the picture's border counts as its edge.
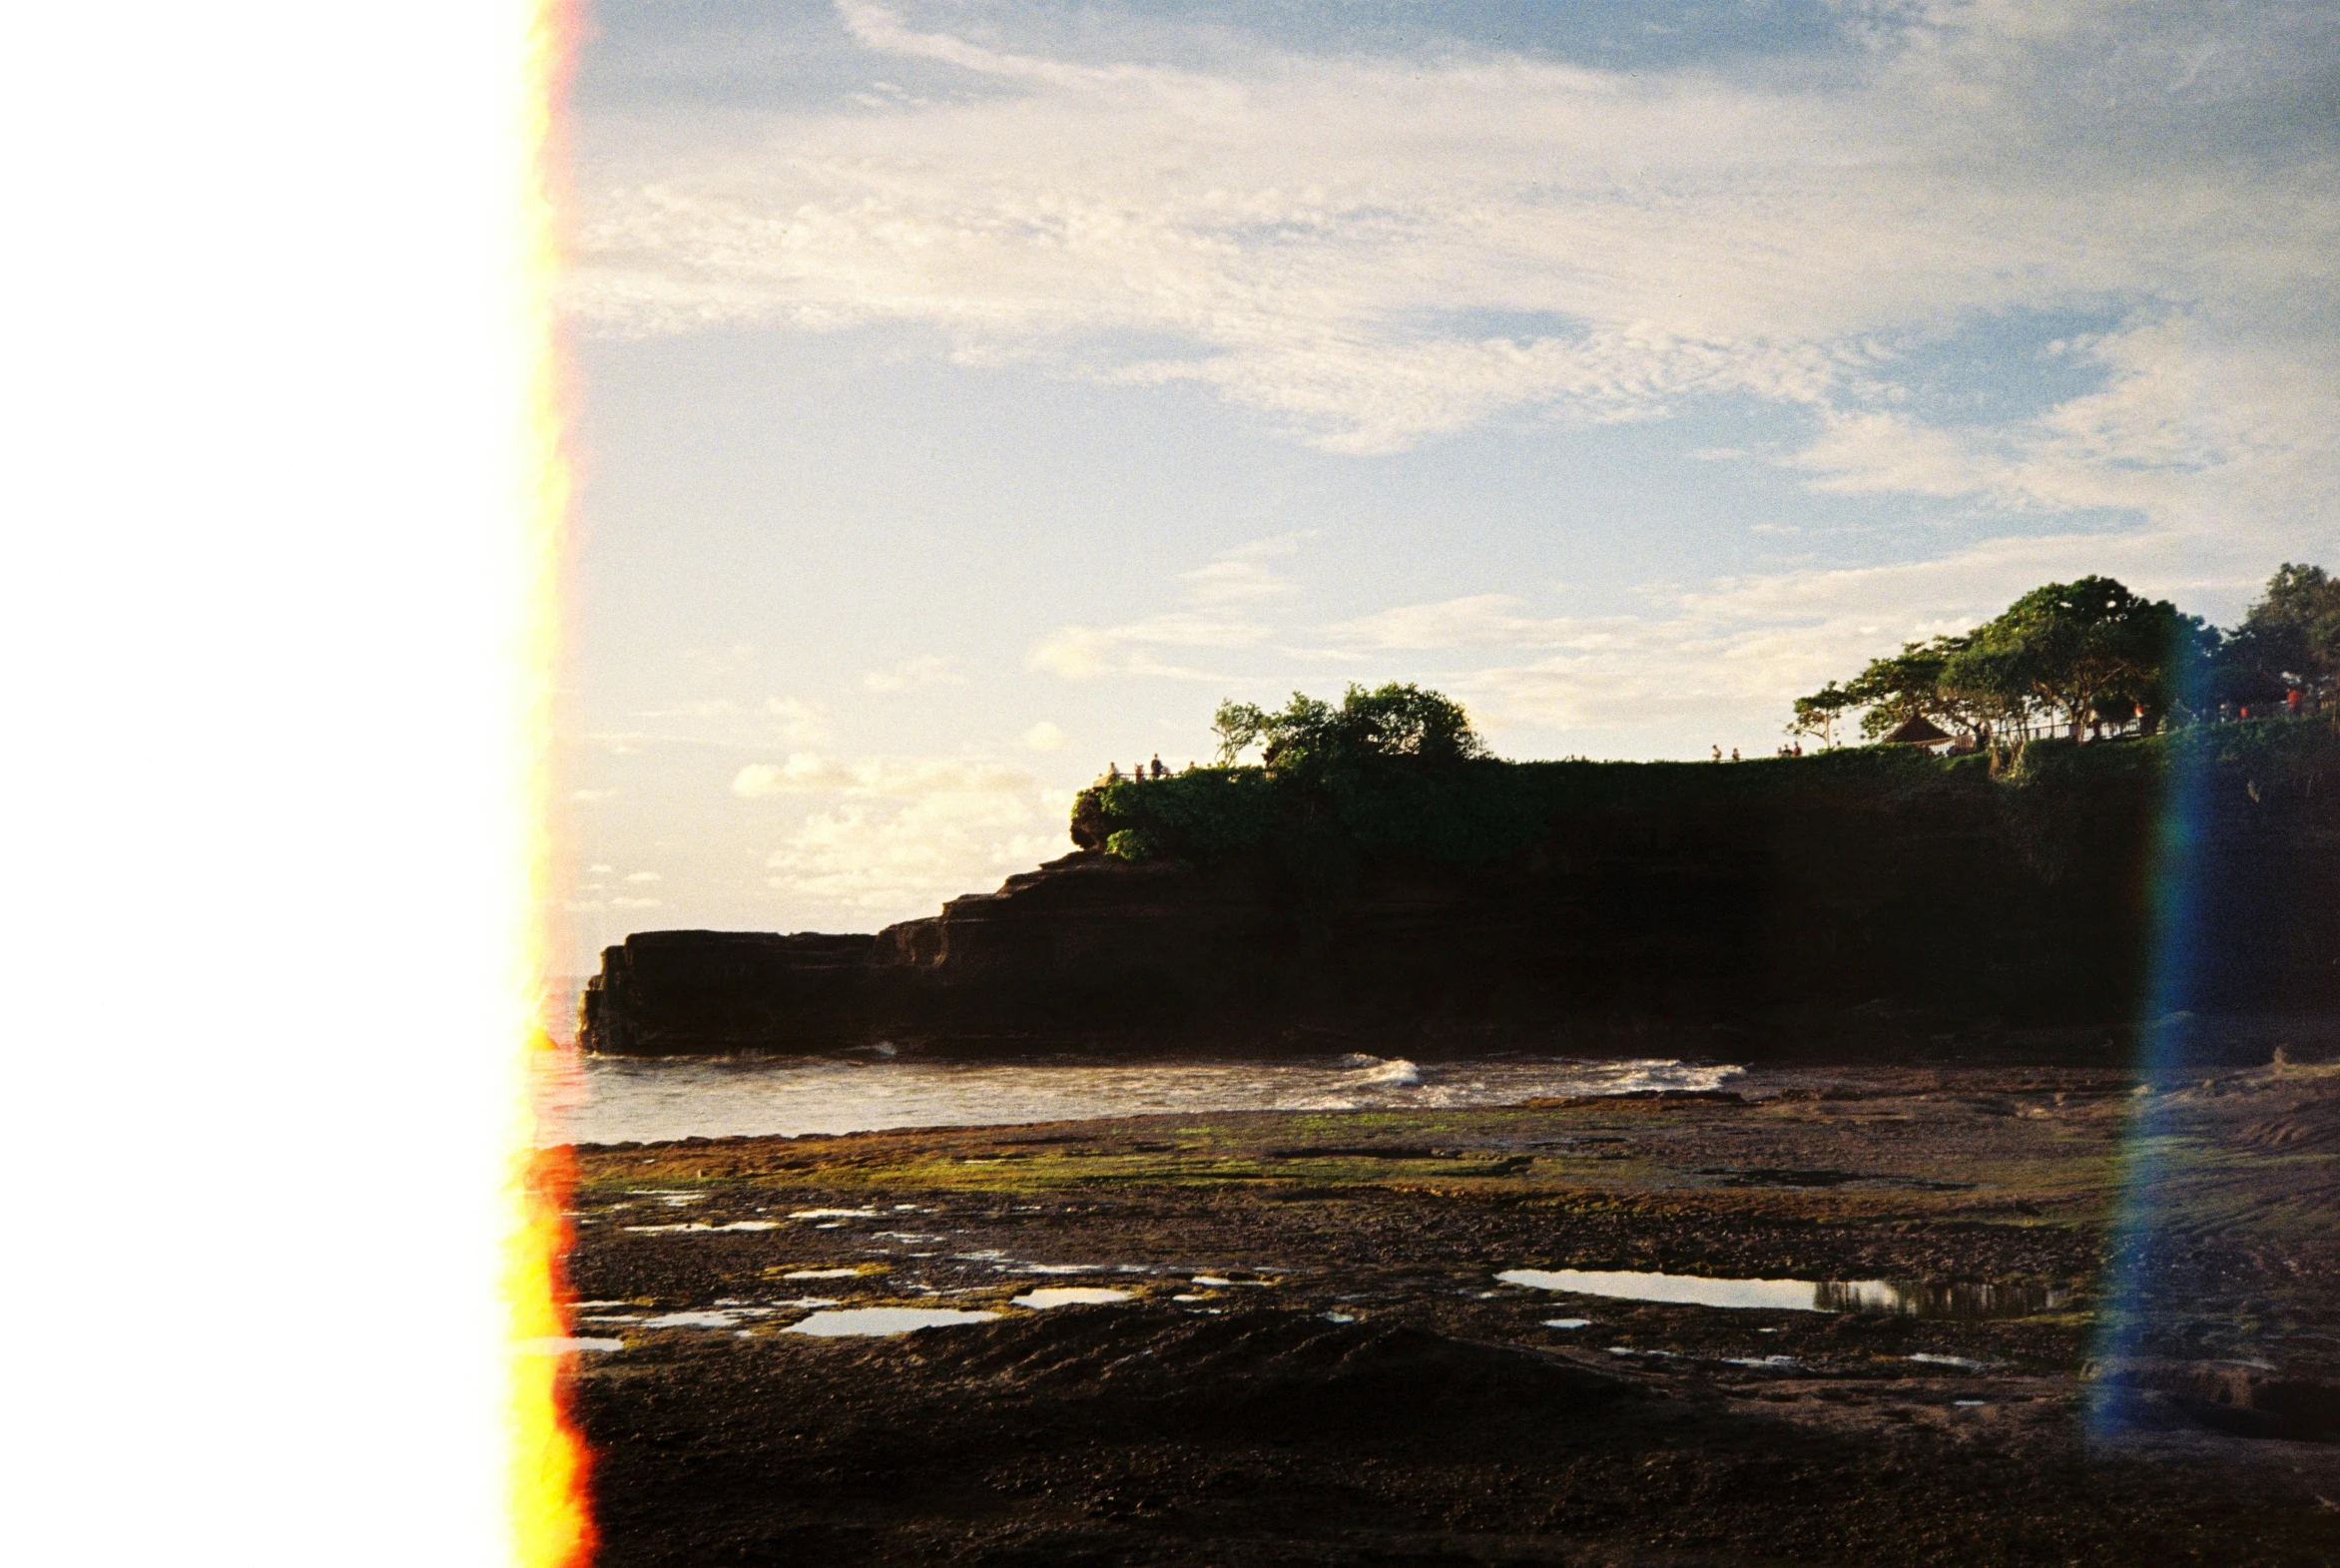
(1735, 648)
(809, 773)
(1371, 251)
(914, 674)
(871, 860)
(1223, 597)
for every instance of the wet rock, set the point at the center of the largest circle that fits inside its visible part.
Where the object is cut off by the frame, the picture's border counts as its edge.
(2249, 1399)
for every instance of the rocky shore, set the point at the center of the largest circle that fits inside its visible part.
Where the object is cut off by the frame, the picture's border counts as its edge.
(1304, 1348)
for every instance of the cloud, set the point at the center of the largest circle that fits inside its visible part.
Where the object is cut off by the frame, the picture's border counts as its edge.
(644, 877)
(904, 860)
(1241, 575)
(1369, 251)
(637, 903)
(1043, 737)
(1741, 647)
(809, 773)
(913, 674)
(1477, 621)
(800, 722)
(1216, 590)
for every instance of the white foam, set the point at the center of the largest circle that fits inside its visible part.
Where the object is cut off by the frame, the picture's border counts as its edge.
(833, 1214)
(1070, 1295)
(883, 1320)
(700, 1228)
(1960, 1362)
(1567, 1323)
(648, 1098)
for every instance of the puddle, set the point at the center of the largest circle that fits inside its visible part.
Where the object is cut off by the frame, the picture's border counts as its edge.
(883, 1320)
(700, 1228)
(726, 1318)
(1070, 1295)
(1567, 1323)
(561, 1346)
(1962, 1302)
(821, 1274)
(1963, 1363)
(833, 1214)
(1769, 1364)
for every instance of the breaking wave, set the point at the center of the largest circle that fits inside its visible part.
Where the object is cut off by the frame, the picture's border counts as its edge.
(615, 1099)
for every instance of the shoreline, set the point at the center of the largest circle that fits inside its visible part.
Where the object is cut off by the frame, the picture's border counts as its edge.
(1354, 1384)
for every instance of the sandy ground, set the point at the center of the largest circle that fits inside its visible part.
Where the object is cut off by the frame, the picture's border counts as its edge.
(1313, 1361)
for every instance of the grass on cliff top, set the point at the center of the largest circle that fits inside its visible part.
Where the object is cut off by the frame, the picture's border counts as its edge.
(1469, 813)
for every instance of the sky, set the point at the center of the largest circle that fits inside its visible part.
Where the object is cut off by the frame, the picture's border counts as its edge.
(972, 393)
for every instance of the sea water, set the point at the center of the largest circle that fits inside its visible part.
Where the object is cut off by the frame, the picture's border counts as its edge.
(643, 1098)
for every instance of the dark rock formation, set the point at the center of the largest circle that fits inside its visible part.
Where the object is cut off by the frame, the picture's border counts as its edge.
(1877, 914)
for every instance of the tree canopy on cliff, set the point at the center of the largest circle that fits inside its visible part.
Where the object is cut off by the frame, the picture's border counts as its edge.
(1313, 739)
(2289, 639)
(2082, 653)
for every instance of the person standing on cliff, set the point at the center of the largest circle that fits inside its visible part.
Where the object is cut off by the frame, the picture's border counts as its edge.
(1159, 771)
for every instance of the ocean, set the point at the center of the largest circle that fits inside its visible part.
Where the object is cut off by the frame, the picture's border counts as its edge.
(647, 1099)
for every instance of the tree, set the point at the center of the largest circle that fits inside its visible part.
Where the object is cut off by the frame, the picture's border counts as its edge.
(1818, 715)
(2089, 650)
(2289, 637)
(1898, 687)
(1313, 739)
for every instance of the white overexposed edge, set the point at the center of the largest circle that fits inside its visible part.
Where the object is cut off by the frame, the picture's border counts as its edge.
(264, 611)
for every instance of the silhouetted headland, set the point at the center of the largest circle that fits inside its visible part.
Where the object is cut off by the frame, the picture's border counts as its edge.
(1878, 901)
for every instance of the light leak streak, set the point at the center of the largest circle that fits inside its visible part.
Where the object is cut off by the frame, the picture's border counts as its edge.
(551, 1506)
(2176, 947)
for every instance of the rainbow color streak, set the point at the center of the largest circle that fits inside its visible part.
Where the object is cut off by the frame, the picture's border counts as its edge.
(550, 1506)
(2177, 947)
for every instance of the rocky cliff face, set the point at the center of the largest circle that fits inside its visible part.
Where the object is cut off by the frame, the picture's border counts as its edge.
(1733, 920)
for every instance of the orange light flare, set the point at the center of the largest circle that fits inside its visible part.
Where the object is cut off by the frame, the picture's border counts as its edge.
(552, 1513)
(550, 1500)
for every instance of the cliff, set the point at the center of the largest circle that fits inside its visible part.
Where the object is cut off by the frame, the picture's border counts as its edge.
(1871, 898)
